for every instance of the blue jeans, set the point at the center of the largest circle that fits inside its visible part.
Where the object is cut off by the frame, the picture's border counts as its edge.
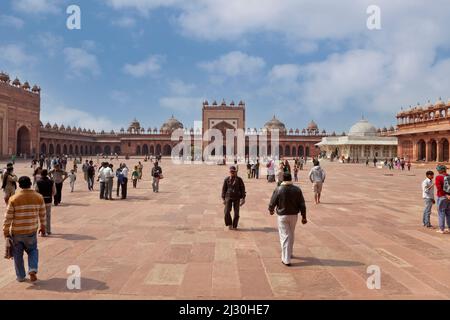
(427, 212)
(443, 205)
(27, 243)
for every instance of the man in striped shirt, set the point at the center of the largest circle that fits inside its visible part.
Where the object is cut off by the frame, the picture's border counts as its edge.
(25, 214)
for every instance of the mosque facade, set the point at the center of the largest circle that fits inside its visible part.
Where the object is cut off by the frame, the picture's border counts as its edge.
(22, 132)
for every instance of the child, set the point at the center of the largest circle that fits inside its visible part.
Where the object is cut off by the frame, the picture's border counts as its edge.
(408, 164)
(295, 173)
(135, 176)
(428, 197)
(72, 178)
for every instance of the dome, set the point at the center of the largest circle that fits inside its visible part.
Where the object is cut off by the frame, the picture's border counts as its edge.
(4, 77)
(362, 128)
(26, 85)
(312, 126)
(171, 125)
(48, 125)
(36, 89)
(16, 82)
(439, 103)
(135, 125)
(275, 124)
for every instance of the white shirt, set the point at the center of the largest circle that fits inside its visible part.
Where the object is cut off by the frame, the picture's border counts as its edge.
(125, 172)
(105, 173)
(428, 189)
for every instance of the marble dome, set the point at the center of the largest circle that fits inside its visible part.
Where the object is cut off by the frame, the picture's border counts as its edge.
(363, 128)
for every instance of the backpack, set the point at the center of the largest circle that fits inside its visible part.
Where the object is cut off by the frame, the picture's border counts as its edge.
(446, 186)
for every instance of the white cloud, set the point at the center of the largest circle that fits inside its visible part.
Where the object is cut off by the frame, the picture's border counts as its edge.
(285, 72)
(13, 54)
(178, 87)
(37, 6)
(181, 104)
(150, 66)
(11, 21)
(81, 62)
(50, 42)
(74, 117)
(143, 6)
(120, 96)
(234, 64)
(125, 22)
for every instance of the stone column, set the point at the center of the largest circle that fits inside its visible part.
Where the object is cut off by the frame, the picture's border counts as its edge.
(415, 154)
(439, 150)
(428, 151)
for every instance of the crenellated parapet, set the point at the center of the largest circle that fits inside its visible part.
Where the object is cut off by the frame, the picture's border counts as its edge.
(223, 104)
(424, 113)
(4, 78)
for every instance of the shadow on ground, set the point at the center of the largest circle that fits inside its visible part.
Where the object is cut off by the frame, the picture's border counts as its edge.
(310, 261)
(265, 229)
(72, 237)
(60, 285)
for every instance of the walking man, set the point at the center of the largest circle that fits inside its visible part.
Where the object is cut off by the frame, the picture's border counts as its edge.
(156, 174)
(233, 196)
(84, 168)
(288, 201)
(24, 215)
(47, 189)
(58, 176)
(317, 178)
(91, 175)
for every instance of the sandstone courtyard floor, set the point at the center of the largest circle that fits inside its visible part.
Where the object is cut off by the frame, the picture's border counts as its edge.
(173, 245)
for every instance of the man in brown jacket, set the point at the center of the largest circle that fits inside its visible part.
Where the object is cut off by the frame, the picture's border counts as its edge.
(233, 196)
(24, 215)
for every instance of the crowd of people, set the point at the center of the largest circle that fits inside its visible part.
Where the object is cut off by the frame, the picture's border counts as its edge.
(29, 211)
(34, 203)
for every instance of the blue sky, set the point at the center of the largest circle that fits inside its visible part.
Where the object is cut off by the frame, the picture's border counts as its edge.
(298, 59)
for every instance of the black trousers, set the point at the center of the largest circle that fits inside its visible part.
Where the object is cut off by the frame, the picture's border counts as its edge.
(103, 190)
(124, 188)
(58, 196)
(118, 188)
(229, 204)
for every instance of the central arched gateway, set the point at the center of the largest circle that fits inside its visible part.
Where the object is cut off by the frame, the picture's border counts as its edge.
(23, 141)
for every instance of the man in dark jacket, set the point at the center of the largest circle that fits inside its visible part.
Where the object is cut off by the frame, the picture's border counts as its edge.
(288, 201)
(47, 189)
(233, 195)
(91, 175)
(156, 174)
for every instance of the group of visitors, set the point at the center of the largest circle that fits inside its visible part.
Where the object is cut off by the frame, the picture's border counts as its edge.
(28, 211)
(442, 183)
(253, 169)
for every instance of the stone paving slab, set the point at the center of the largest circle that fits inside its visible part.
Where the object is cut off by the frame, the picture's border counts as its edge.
(173, 245)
